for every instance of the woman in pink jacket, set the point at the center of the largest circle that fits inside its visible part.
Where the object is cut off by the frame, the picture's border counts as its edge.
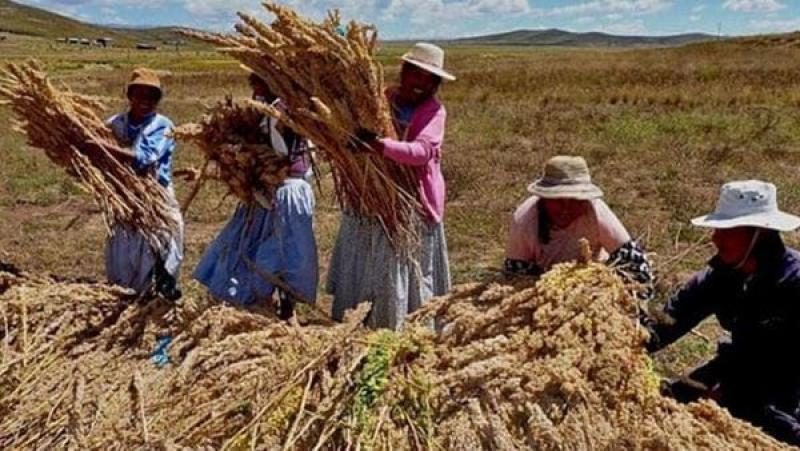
(364, 266)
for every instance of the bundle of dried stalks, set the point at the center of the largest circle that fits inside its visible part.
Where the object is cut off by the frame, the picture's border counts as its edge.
(560, 361)
(66, 126)
(230, 135)
(86, 380)
(333, 87)
(538, 365)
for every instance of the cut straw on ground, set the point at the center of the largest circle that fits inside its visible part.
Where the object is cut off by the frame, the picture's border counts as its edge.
(526, 365)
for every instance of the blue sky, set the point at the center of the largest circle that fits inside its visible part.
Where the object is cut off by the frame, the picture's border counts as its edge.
(457, 18)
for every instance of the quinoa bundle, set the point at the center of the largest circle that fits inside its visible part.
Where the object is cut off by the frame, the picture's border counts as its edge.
(66, 126)
(530, 365)
(230, 135)
(332, 86)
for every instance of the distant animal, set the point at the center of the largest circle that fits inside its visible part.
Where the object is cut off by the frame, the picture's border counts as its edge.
(146, 46)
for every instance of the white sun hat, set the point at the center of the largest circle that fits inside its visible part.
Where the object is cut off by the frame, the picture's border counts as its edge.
(749, 203)
(428, 57)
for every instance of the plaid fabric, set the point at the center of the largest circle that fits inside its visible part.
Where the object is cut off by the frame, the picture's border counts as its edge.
(630, 261)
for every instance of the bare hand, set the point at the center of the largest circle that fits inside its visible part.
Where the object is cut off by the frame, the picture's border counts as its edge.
(187, 174)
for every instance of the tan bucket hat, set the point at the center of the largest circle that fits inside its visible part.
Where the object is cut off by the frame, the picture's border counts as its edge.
(566, 177)
(430, 58)
(145, 77)
(748, 203)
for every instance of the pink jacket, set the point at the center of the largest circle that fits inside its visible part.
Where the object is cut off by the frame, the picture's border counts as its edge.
(422, 149)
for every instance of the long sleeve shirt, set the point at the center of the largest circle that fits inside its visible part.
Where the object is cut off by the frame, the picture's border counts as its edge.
(421, 148)
(150, 142)
(762, 313)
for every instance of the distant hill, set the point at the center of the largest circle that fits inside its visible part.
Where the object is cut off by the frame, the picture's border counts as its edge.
(772, 40)
(555, 37)
(26, 20)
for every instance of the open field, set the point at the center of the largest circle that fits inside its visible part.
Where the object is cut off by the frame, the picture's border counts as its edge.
(661, 129)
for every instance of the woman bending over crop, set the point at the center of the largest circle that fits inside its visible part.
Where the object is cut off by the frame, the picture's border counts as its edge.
(276, 239)
(566, 207)
(364, 266)
(145, 135)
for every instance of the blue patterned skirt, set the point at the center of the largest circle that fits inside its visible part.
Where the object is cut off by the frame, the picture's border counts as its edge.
(279, 241)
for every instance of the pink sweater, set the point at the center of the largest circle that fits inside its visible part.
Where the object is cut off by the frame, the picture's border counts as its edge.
(421, 148)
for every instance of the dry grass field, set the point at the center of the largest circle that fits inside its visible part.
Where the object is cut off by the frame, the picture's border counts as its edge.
(661, 129)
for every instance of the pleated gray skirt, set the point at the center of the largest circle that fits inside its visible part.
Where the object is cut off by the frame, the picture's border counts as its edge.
(365, 268)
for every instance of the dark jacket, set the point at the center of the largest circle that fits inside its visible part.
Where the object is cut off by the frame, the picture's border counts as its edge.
(759, 366)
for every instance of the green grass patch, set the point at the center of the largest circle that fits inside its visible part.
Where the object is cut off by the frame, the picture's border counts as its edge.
(630, 130)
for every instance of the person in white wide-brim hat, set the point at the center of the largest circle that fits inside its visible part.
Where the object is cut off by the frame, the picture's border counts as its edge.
(364, 266)
(752, 285)
(751, 203)
(564, 208)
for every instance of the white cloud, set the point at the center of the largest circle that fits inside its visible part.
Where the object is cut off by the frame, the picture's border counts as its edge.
(109, 15)
(208, 8)
(96, 11)
(496, 6)
(612, 6)
(74, 5)
(435, 11)
(775, 25)
(462, 7)
(442, 18)
(218, 9)
(420, 10)
(699, 8)
(749, 6)
(635, 27)
(694, 18)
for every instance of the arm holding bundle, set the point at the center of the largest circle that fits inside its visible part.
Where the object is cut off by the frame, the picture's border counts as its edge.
(151, 145)
(423, 148)
(683, 312)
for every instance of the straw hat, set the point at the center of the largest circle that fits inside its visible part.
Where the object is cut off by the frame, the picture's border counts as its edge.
(428, 57)
(566, 177)
(145, 77)
(749, 203)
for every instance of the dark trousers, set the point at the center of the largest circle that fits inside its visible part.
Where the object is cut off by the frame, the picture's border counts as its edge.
(166, 284)
(778, 418)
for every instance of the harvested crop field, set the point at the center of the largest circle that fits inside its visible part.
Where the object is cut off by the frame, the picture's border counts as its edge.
(525, 365)
(553, 364)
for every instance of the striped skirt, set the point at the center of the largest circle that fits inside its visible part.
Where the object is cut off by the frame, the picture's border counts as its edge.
(365, 268)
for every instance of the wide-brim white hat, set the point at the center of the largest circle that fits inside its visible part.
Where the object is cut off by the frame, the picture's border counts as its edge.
(430, 58)
(749, 203)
